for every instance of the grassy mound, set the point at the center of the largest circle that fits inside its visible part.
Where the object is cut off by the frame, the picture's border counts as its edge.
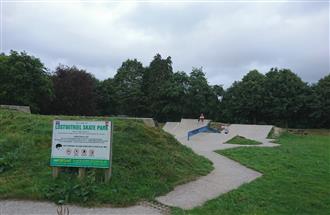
(242, 141)
(147, 162)
(295, 179)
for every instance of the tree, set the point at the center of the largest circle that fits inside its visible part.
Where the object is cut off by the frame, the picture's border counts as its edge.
(285, 97)
(128, 88)
(106, 103)
(24, 81)
(231, 104)
(155, 81)
(75, 91)
(253, 96)
(201, 97)
(175, 94)
(321, 103)
(216, 111)
(244, 100)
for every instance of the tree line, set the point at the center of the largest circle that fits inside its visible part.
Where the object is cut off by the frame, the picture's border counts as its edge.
(279, 97)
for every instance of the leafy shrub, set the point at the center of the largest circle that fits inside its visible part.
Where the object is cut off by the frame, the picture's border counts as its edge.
(71, 190)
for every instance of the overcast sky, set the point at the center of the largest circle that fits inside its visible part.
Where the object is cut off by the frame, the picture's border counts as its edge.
(226, 39)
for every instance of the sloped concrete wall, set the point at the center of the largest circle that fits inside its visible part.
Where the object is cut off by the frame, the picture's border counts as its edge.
(25, 109)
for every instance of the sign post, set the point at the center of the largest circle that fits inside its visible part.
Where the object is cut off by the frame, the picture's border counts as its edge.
(108, 172)
(82, 144)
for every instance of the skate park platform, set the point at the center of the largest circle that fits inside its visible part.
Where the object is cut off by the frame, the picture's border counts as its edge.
(181, 129)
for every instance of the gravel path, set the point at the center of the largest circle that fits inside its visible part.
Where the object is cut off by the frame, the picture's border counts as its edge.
(16, 207)
(227, 174)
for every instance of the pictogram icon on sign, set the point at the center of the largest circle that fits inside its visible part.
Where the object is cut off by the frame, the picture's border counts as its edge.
(83, 152)
(68, 151)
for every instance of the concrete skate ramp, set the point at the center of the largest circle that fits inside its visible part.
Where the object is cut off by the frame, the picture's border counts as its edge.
(24, 109)
(170, 126)
(181, 129)
(255, 132)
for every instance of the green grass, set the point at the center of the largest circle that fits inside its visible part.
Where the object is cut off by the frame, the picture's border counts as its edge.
(324, 132)
(147, 162)
(242, 141)
(296, 179)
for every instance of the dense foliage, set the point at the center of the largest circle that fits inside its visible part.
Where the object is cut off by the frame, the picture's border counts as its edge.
(75, 92)
(24, 81)
(278, 97)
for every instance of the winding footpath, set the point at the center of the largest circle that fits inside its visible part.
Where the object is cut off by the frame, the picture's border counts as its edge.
(226, 176)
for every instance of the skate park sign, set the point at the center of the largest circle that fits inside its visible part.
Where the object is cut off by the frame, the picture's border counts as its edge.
(81, 144)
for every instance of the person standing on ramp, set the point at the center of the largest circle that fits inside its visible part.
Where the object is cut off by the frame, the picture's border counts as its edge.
(201, 118)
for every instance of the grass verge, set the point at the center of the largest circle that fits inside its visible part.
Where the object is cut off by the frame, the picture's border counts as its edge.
(147, 162)
(242, 141)
(295, 179)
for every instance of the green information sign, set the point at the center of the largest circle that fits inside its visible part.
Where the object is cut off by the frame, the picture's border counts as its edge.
(81, 144)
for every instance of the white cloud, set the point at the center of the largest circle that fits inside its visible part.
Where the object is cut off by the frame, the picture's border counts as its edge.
(227, 39)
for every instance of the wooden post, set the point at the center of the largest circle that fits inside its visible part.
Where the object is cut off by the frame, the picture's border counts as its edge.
(56, 170)
(108, 172)
(81, 173)
(107, 175)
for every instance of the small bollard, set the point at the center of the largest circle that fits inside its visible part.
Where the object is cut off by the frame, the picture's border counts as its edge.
(63, 211)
